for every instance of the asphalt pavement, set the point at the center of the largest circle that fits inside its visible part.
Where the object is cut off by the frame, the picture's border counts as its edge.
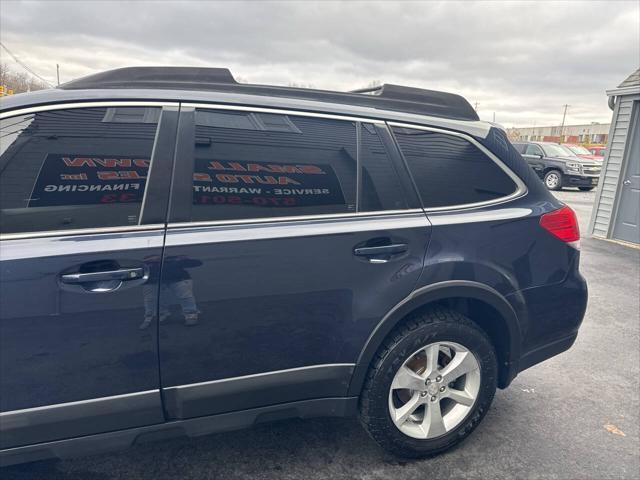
(575, 416)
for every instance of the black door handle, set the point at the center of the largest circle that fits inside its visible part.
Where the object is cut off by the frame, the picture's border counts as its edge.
(380, 250)
(123, 274)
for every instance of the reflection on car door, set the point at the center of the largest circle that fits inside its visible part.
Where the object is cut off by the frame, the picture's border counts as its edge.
(79, 267)
(275, 271)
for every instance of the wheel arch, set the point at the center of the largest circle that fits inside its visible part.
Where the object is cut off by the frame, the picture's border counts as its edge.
(548, 168)
(492, 312)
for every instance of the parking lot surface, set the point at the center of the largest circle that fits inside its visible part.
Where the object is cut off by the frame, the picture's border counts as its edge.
(575, 416)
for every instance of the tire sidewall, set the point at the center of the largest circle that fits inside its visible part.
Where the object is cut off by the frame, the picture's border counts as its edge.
(560, 178)
(470, 338)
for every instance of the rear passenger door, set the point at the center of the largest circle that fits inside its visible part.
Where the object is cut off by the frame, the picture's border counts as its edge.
(290, 236)
(83, 198)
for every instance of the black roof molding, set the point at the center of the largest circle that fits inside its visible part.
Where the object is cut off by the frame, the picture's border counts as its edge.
(385, 97)
(183, 78)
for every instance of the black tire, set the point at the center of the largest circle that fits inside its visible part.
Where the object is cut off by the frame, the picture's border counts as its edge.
(548, 180)
(586, 189)
(435, 325)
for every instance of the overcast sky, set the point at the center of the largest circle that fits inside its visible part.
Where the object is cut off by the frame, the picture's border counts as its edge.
(522, 61)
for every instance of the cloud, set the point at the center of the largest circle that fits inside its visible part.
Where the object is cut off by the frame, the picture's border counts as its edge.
(522, 61)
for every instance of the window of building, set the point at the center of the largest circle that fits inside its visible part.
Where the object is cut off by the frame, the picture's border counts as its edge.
(272, 165)
(69, 169)
(449, 170)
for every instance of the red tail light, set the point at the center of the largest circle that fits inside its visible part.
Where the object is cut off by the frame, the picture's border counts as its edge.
(562, 223)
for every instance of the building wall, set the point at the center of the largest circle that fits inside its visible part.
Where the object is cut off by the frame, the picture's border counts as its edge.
(591, 133)
(603, 209)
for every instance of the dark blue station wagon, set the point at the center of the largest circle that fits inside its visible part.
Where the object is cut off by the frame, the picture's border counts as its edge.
(182, 254)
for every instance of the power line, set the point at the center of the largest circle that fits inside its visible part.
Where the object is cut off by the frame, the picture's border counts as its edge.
(26, 67)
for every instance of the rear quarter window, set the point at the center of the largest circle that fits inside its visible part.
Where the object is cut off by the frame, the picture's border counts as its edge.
(451, 171)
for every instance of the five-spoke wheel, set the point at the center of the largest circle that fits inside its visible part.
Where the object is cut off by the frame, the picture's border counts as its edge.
(430, 383)
(434, 390)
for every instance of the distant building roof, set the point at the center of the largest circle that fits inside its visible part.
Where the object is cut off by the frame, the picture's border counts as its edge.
(632, 80)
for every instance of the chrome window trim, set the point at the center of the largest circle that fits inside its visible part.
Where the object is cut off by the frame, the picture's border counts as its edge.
(44, 247)
(9, 413)
(80, 231)
(257, 375)
(299, 113)
(294, 218)
(521, 188)
(88, 104)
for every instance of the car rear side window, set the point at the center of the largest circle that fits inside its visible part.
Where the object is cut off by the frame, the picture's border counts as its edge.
(449, 170)
(75, 168)
(250, 165)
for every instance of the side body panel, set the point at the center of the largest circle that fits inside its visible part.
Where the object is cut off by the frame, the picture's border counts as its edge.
(74, 357)
(274, 298)
(62, 348)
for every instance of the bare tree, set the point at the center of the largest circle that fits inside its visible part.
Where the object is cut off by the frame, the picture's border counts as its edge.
(19, 82)
(513, 134)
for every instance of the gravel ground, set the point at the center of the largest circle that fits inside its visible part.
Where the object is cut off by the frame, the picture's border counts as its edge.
(575, 416)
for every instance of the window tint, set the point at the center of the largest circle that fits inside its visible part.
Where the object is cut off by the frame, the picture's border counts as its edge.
(251, 165)
(75, 168)
(449, 170)
(381, 188)
(533, 150)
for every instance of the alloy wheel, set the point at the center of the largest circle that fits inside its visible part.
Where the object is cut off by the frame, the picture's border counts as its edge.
(552, 180)
(434, 390)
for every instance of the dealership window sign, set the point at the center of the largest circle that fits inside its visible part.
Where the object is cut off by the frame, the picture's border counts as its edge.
(89, 180)
(271, 184)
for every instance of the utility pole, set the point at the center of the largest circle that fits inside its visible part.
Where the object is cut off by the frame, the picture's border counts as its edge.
(564, 115)
(476, 106)
(58, 73)
(534, 130)
(494, 117)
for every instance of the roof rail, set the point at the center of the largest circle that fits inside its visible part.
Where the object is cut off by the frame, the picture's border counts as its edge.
(385, 97)
(367, 90)
(154, 77)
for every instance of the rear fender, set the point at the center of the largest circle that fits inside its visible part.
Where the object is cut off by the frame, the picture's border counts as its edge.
(435, 293)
